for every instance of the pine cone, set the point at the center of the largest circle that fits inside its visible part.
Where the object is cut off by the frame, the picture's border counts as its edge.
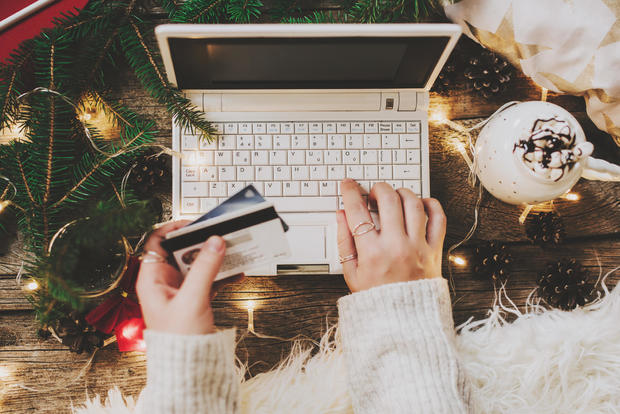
(545, 228)
(149, 173)
(446, 79)
(491, 260)
(488, 73)
(78, 335)
(564, 285)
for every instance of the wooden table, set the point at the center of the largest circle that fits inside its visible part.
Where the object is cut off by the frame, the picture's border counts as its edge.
(287, 306)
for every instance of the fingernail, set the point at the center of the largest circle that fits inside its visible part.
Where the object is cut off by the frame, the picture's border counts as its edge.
(347, 180)
(215, 244)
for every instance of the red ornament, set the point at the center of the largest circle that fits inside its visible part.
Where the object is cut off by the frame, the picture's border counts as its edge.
(120, 306)
(129, 335)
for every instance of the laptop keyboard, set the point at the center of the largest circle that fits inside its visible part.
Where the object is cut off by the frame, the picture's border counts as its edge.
(297, 165)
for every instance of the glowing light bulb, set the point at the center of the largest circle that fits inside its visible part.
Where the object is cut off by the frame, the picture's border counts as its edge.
(4, 373)
(4, 204)
(33, 285)
(458, 260)
(250, 305)
(437, 116)
(571, 196)
(130, 331)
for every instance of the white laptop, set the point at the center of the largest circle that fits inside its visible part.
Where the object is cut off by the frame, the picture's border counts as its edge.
(298, 108)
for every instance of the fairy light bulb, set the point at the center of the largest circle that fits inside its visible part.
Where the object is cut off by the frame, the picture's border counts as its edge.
(458, 260)
(4, 204)
(250, 306)
(437, 116)
(571, 196)
(32, 285)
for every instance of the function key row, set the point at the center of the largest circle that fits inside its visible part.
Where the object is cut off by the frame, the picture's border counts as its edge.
(340, 127)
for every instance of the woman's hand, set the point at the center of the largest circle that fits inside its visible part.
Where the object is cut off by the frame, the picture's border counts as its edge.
(172, 303)
(408, 245)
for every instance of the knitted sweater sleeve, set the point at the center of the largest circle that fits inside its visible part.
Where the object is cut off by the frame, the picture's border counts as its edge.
(399, 347)
(190, 374)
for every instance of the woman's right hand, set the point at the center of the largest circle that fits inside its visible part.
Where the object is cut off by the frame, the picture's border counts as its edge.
(408, 245)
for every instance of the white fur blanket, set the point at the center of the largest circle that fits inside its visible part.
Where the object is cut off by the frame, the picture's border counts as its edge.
(543, 362)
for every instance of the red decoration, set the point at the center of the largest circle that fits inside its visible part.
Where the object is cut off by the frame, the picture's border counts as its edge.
(129, 335)
(119, 306)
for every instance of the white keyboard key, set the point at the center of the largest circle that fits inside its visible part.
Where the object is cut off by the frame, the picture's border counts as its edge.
(371, 127)
(315, 128)
(258, 185)
(385, 172)
(273, 128)
(207, 204)
(301, 127)
(413, 156)
(329, 128)
(355, 171)
(299, 141)
(396, 184)
(190, 158)
(230, 128)
(368, 156)
(190, 142)
(217, 189)
(355, 141)
(190, 205)
(371, 172)
(335, 141)
(350, 157)
(357, 127)
(406, 172)
(389, 140)
(398, 127)
(385, 127)
(204, 157)
(290, 188)
(218, 127)
(287, 128)
(241, 158)
(309, 188)
(318, 172)
(245, 128)
(245, 173)
(227, 142)
(343, 127)
(259, 128)
(399, 156)
(414, 186)
(260, 157)
(226, 173)
(333, 157)
(328, 188)
(198, 189)
(245, 141)
(340, 203)
(301, 173)
(336, 172)
(281, 142)
(385, 157)
(410, 140)
(365, 186)
(372, 141)
(277, 157)
(314, 157)
(208, 173)
(282, 173)
(262, 142)
(413, 127)
(235, 187)
(263, 173)
(303, 204)
(206, 144)
(190, 173)
(296, 157)
(188, 130)
(273, 188)
(318, 141)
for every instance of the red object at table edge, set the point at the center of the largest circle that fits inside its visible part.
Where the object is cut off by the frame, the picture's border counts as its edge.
(31, 25)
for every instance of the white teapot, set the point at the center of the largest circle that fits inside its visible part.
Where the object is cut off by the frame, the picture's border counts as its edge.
(533, 152)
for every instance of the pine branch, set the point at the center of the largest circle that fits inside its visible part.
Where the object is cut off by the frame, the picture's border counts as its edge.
(200, 11)
(388, 11)
(12, 82)
(243, 11)
(317, 17)
(171, 6)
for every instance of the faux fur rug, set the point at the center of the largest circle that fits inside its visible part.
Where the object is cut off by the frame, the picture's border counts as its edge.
(543, 362)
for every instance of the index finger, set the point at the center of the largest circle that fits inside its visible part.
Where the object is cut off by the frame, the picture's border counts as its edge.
(356, 212)
(158, 235)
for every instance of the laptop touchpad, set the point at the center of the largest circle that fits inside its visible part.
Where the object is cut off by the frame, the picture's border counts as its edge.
(306, 242)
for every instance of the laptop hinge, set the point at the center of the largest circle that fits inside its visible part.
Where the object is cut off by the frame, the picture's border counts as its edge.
(305, 269)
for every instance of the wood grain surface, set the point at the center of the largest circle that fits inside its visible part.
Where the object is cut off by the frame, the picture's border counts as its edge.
(44, 377)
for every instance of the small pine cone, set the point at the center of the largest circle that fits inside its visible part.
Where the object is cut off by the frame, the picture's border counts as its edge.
(491, 260)
(446, 79)
(564, 285)
(149, 173)
(545, 228)
(78, 335)
(488, 73)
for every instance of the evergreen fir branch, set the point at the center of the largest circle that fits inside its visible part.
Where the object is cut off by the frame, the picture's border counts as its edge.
(171, 6)
(12, 83)
(243, 11)
(200, 11)
(387, 11)
(317, 17)
(120, 115)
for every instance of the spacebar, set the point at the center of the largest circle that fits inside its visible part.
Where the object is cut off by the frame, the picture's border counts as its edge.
(296, 204)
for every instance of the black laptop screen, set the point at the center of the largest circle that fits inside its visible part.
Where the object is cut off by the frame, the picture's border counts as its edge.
(305, 63)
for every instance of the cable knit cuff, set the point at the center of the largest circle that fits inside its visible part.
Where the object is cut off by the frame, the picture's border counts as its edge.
(190, 373)
(398, 341)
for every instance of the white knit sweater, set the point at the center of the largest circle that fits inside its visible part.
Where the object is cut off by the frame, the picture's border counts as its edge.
(398, 341)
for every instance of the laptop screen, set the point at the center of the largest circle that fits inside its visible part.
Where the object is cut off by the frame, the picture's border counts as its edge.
(305, 63)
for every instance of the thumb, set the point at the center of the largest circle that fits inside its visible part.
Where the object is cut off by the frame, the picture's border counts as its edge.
(199, 280)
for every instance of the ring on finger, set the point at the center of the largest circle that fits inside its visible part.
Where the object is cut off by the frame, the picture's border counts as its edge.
(363, 228)
(150, 256)
(348, 258)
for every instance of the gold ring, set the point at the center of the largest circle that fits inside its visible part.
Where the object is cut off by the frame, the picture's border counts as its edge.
(149, 256)
(348, 258)
(370, 224)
